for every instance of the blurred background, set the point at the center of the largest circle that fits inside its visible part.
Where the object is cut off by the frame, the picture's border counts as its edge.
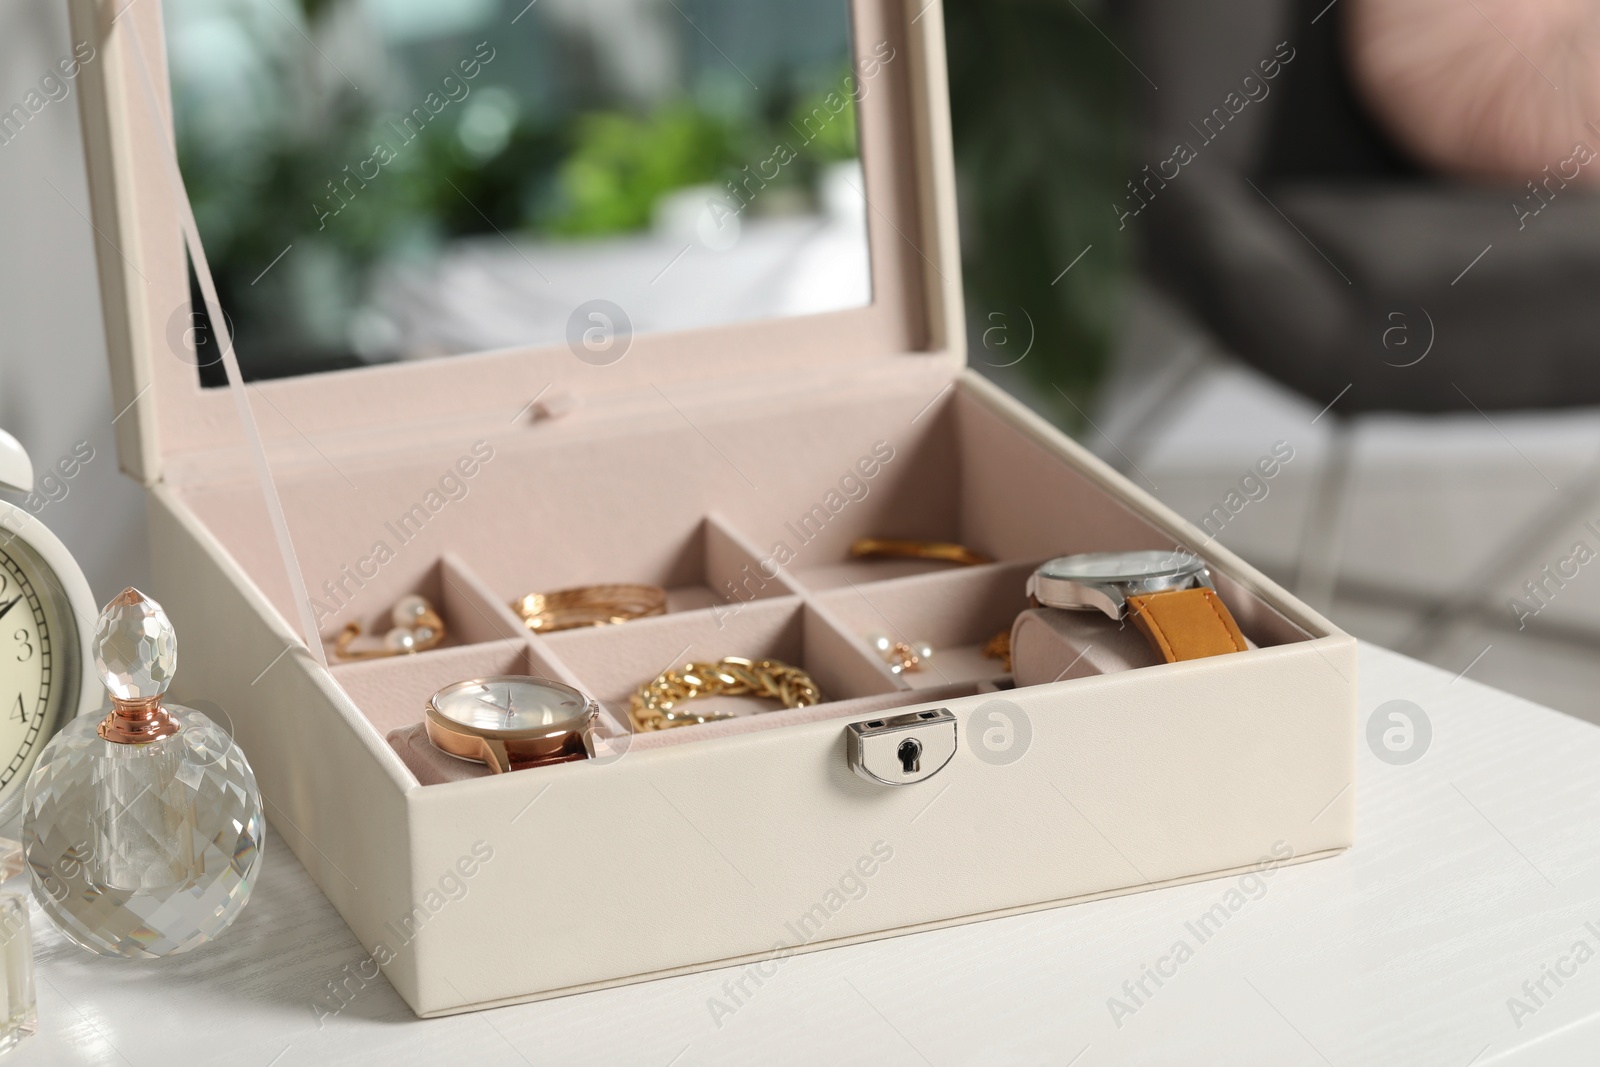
(1356, 233)
(1361, 228)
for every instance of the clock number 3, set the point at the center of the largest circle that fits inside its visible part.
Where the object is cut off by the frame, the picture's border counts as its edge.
(25, 653)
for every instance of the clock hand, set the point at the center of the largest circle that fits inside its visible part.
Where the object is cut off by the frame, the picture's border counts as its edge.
(8, 605)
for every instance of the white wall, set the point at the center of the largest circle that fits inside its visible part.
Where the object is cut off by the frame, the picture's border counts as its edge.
(54, 385)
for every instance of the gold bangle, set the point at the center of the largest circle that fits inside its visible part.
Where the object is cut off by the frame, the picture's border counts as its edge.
(654, 706)
(589, 605)
(943, 551)
(417, 628)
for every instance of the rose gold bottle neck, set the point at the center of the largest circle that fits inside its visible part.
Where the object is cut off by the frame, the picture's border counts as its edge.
(137, 722)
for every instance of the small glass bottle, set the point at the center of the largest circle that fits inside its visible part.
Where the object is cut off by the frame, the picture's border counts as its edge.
(142, 831)
(18, 1015)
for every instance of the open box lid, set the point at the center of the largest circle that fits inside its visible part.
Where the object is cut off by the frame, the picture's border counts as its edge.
(168, 418)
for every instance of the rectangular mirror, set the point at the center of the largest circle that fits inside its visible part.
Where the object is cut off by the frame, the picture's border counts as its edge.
(385, 180)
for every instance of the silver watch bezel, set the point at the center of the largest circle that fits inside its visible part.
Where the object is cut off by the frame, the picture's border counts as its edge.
(1052, 585)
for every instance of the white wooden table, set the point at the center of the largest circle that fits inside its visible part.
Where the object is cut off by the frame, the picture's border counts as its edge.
(1475, 868)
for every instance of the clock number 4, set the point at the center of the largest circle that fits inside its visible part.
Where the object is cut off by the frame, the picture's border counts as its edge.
(21, 713)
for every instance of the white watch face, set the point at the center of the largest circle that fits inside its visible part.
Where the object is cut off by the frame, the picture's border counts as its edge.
(38, 680)
(512, 703)
(1113, 567)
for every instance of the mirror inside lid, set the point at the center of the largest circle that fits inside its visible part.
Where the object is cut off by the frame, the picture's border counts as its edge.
(430, 213)
(378, 181)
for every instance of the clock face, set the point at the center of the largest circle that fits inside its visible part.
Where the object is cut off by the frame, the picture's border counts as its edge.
(38, 684)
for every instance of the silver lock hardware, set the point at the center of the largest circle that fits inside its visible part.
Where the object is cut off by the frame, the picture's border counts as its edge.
(901, 749)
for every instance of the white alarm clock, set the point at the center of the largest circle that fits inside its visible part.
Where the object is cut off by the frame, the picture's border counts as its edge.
(47, 617)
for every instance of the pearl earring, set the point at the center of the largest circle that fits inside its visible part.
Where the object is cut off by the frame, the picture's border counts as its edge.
(417, 628)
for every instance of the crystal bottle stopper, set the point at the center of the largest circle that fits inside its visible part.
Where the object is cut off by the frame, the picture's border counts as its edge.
(136, 651)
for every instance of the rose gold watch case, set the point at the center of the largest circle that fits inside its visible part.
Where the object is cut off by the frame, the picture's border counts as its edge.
(513, 750)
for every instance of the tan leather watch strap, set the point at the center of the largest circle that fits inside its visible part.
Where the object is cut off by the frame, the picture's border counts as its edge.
(1186, 624)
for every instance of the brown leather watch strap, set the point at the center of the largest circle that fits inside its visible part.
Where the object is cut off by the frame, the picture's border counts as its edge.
(1186, 624)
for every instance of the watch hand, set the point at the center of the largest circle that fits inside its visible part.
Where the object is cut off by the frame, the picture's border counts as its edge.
(8, 605)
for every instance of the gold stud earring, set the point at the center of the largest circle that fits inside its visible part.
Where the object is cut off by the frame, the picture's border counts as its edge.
(900, 655)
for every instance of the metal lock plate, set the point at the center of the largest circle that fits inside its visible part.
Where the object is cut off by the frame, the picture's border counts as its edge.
(902, 749)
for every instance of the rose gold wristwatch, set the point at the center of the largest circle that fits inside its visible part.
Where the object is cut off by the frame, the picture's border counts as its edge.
(511, 722)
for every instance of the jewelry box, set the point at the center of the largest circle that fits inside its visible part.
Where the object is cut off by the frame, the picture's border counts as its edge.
(733, 465)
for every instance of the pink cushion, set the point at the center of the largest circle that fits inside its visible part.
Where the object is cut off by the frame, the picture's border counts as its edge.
(1488, 89)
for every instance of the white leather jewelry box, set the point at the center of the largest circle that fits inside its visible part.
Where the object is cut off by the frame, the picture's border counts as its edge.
(733, 466)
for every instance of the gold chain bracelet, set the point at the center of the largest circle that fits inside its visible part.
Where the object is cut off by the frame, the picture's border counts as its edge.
(655, 705)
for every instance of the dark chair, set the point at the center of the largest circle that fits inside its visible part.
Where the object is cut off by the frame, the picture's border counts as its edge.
(1304, 238)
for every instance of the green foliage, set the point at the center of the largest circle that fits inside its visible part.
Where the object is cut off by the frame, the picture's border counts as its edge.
(314, 8)
(351, 182)
(836, 139)
(1039, 103)
(621, 164)
(458, 194)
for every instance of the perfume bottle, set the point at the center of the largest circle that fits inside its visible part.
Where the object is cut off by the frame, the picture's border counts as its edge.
(142, 830)
(18, 1014)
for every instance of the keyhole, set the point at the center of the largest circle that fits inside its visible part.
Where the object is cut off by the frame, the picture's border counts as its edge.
(910, 753)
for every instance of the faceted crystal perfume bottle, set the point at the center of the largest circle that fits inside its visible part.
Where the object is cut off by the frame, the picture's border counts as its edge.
(142, 830)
